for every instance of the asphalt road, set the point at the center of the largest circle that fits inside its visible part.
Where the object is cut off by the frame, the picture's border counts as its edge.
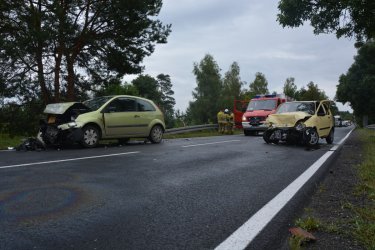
(180, 194)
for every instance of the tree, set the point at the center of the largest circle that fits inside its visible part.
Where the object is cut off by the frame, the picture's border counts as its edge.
(260, 84)
(115, 87)
(159, 90)
(207, 93)
(312, 93)
(63, 45)
(346, 18)
(357, 86)
(232, 86)
(167, 101)
(148, 87)
(290, 88)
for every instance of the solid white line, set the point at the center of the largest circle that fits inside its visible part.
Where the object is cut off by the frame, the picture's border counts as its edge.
(208, 143)
(65, 160)
(245, 234)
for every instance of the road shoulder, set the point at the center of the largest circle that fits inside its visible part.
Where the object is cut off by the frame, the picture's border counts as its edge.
(330, 205)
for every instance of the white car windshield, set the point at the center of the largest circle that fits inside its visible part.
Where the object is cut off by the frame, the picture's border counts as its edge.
(307, 107)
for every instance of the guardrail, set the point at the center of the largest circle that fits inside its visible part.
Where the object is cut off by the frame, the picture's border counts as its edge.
(190, 129)
(372, 126)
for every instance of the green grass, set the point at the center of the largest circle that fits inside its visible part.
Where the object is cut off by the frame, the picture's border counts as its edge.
(309, 223)
(365, 214)
(7, 141)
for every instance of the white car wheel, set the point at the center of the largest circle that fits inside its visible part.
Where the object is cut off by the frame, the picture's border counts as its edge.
(91, 136)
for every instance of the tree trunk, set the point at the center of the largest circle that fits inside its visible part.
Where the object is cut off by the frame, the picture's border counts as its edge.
(57, 75)
(70, 78)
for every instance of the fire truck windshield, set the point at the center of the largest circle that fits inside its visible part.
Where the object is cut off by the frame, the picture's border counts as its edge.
(261, 105)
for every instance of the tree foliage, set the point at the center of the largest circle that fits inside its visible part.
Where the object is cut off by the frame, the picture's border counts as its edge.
(260, 84)
(357, 86)
(346, 18)
(290, 88)
(311, 93)
(232, 86)
(159, 90)
(64, 46)
(207, 94)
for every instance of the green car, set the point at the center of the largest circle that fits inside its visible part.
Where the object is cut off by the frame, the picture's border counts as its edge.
(109, 117)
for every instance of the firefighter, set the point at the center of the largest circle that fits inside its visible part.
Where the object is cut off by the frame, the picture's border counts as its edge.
(221, 121)
(229, 122)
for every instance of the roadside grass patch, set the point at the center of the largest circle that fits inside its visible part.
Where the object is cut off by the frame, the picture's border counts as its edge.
(7, 141)
(365, 214)
(309, 223)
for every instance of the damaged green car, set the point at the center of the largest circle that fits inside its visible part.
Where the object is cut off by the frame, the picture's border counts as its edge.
(301, 122)
(109, 117)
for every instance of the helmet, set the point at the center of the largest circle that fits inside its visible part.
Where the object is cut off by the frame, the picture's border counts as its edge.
(226, 110)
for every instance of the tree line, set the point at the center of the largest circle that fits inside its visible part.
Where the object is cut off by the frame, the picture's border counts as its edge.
(214, 92)
(55, 51)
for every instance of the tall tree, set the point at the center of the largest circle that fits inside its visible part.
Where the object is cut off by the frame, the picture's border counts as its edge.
(167, 100)
(159, 90)
(58, 43)
(312, 93)
(115, 87)
(259, 85)
(290, 88)
(344, 17)
(232, 86)
(207, 93)
(357, 86)
(148, 87)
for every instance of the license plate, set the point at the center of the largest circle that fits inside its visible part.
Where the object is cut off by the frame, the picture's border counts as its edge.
(52, 119)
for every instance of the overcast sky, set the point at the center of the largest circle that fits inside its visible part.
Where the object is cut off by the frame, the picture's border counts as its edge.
(245, 31)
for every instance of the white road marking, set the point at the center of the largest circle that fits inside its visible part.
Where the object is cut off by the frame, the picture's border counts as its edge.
(245, 234)
(65, 160)
(208, 143)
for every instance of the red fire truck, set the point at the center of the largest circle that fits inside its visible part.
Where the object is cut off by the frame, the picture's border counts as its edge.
(251, 115)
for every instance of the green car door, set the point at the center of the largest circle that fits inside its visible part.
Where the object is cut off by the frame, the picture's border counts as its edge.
(121, 118)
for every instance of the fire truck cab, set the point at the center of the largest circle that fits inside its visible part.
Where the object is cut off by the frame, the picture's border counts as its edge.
(257, 112)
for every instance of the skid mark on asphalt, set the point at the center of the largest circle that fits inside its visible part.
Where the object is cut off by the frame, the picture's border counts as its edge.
(67, 160)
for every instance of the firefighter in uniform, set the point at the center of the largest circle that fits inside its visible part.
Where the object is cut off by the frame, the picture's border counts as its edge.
(221, 121)
(229, 122)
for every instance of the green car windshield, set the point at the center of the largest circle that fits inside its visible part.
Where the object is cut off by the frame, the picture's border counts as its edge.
(96, 103)
(308, 107)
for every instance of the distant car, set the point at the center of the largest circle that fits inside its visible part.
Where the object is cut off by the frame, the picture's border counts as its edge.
(108, 117)
(302, 122)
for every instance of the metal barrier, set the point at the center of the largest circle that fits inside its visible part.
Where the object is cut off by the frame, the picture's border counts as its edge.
(190, 129)
(372, 126)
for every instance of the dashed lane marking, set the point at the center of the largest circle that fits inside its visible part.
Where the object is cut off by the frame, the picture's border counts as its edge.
(66, 160)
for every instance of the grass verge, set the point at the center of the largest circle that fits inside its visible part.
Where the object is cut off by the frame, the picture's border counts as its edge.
(7, 141)
(349, 214)
(365, 214)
